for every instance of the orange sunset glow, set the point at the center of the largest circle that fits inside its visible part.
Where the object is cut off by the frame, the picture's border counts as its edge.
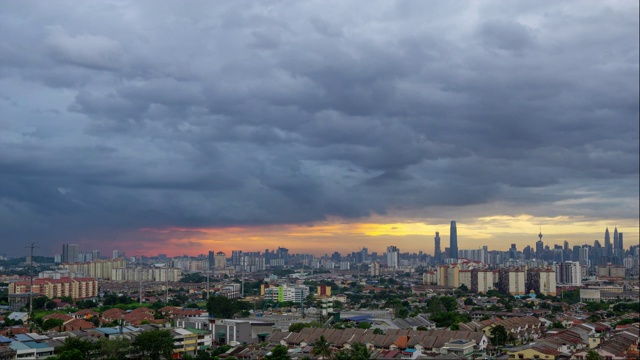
(497, 232)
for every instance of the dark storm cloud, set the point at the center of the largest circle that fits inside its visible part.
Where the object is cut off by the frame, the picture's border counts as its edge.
(201, 114)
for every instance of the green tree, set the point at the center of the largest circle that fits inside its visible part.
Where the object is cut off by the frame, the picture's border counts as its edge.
(435, 306)
(154, 344)
(378, 331)
(449, 303)
(596, 306)
(220, 350)
(499, 336)
(364, 325)
(359, 351)
(73, 354)
(448, 318)
(280, 352)
(85, 347)
(51, 323)
(621, 308)
(223, 307)
(593, 355)
(322, 348)
(40, 302)
(627, 321)
(557, 325)
(469, 301)
(194, 278)
(67, 299)
(401, 312)
(114, 349)
(342, 355)
(297, 327)
(203, 355)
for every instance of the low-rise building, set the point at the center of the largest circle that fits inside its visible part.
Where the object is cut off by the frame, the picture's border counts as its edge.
(241, 332)
(184, 341)
(296, 293)
(76, 288)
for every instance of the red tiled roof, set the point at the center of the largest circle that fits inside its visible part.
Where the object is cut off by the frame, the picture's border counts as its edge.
(85, 312)
(401, 342)
(112, 314)
(62, 317)
(78, 324)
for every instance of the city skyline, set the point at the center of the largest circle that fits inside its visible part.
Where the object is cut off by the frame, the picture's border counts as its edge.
(167, 128)
(379, 245)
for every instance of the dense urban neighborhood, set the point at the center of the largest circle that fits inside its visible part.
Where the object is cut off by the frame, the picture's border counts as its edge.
(275, 305)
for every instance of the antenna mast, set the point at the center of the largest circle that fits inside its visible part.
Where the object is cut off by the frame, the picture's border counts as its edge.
(31, 247)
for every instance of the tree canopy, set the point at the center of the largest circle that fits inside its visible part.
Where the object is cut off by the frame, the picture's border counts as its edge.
(321, 347)
(280, 352)
(223, 307)
(154, 344)
(499, 336)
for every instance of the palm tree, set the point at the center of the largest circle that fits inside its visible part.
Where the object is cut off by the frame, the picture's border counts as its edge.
(342, 355)
(321, 347)
(359, 351)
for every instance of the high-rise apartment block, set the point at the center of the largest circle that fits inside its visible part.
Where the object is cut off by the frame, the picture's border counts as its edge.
(481, 281)
(375, 269)
(541, 281)
(99, 269)
(392, 257)
(221, 260)
(511, 281)
(70, 253)
(569, 273)
(449, 275)
(76, 288)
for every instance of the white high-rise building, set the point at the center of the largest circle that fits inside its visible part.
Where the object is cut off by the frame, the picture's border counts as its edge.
(485, 282)
(392, 257)
(569, 273)
(584, 256)
(472, 254)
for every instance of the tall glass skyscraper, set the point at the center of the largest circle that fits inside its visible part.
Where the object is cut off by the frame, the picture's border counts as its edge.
(437, 252)
(453, 241)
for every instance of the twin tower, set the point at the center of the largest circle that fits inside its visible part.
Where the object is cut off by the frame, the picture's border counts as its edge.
(453, 244)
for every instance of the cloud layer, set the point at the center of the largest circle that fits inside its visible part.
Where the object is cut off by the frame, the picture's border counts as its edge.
(118, 116)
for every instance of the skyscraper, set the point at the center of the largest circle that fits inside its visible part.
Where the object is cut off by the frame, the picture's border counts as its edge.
(539, 246)
(453, 241)
(69, 253)
(620, 241)
(437, 252)
(392, 257)
(608, 250)
(618, 248)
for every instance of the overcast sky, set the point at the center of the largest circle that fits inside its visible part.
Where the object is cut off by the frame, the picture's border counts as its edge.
(143, 124)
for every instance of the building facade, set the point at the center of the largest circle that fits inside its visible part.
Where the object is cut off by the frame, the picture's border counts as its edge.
(76, 288)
